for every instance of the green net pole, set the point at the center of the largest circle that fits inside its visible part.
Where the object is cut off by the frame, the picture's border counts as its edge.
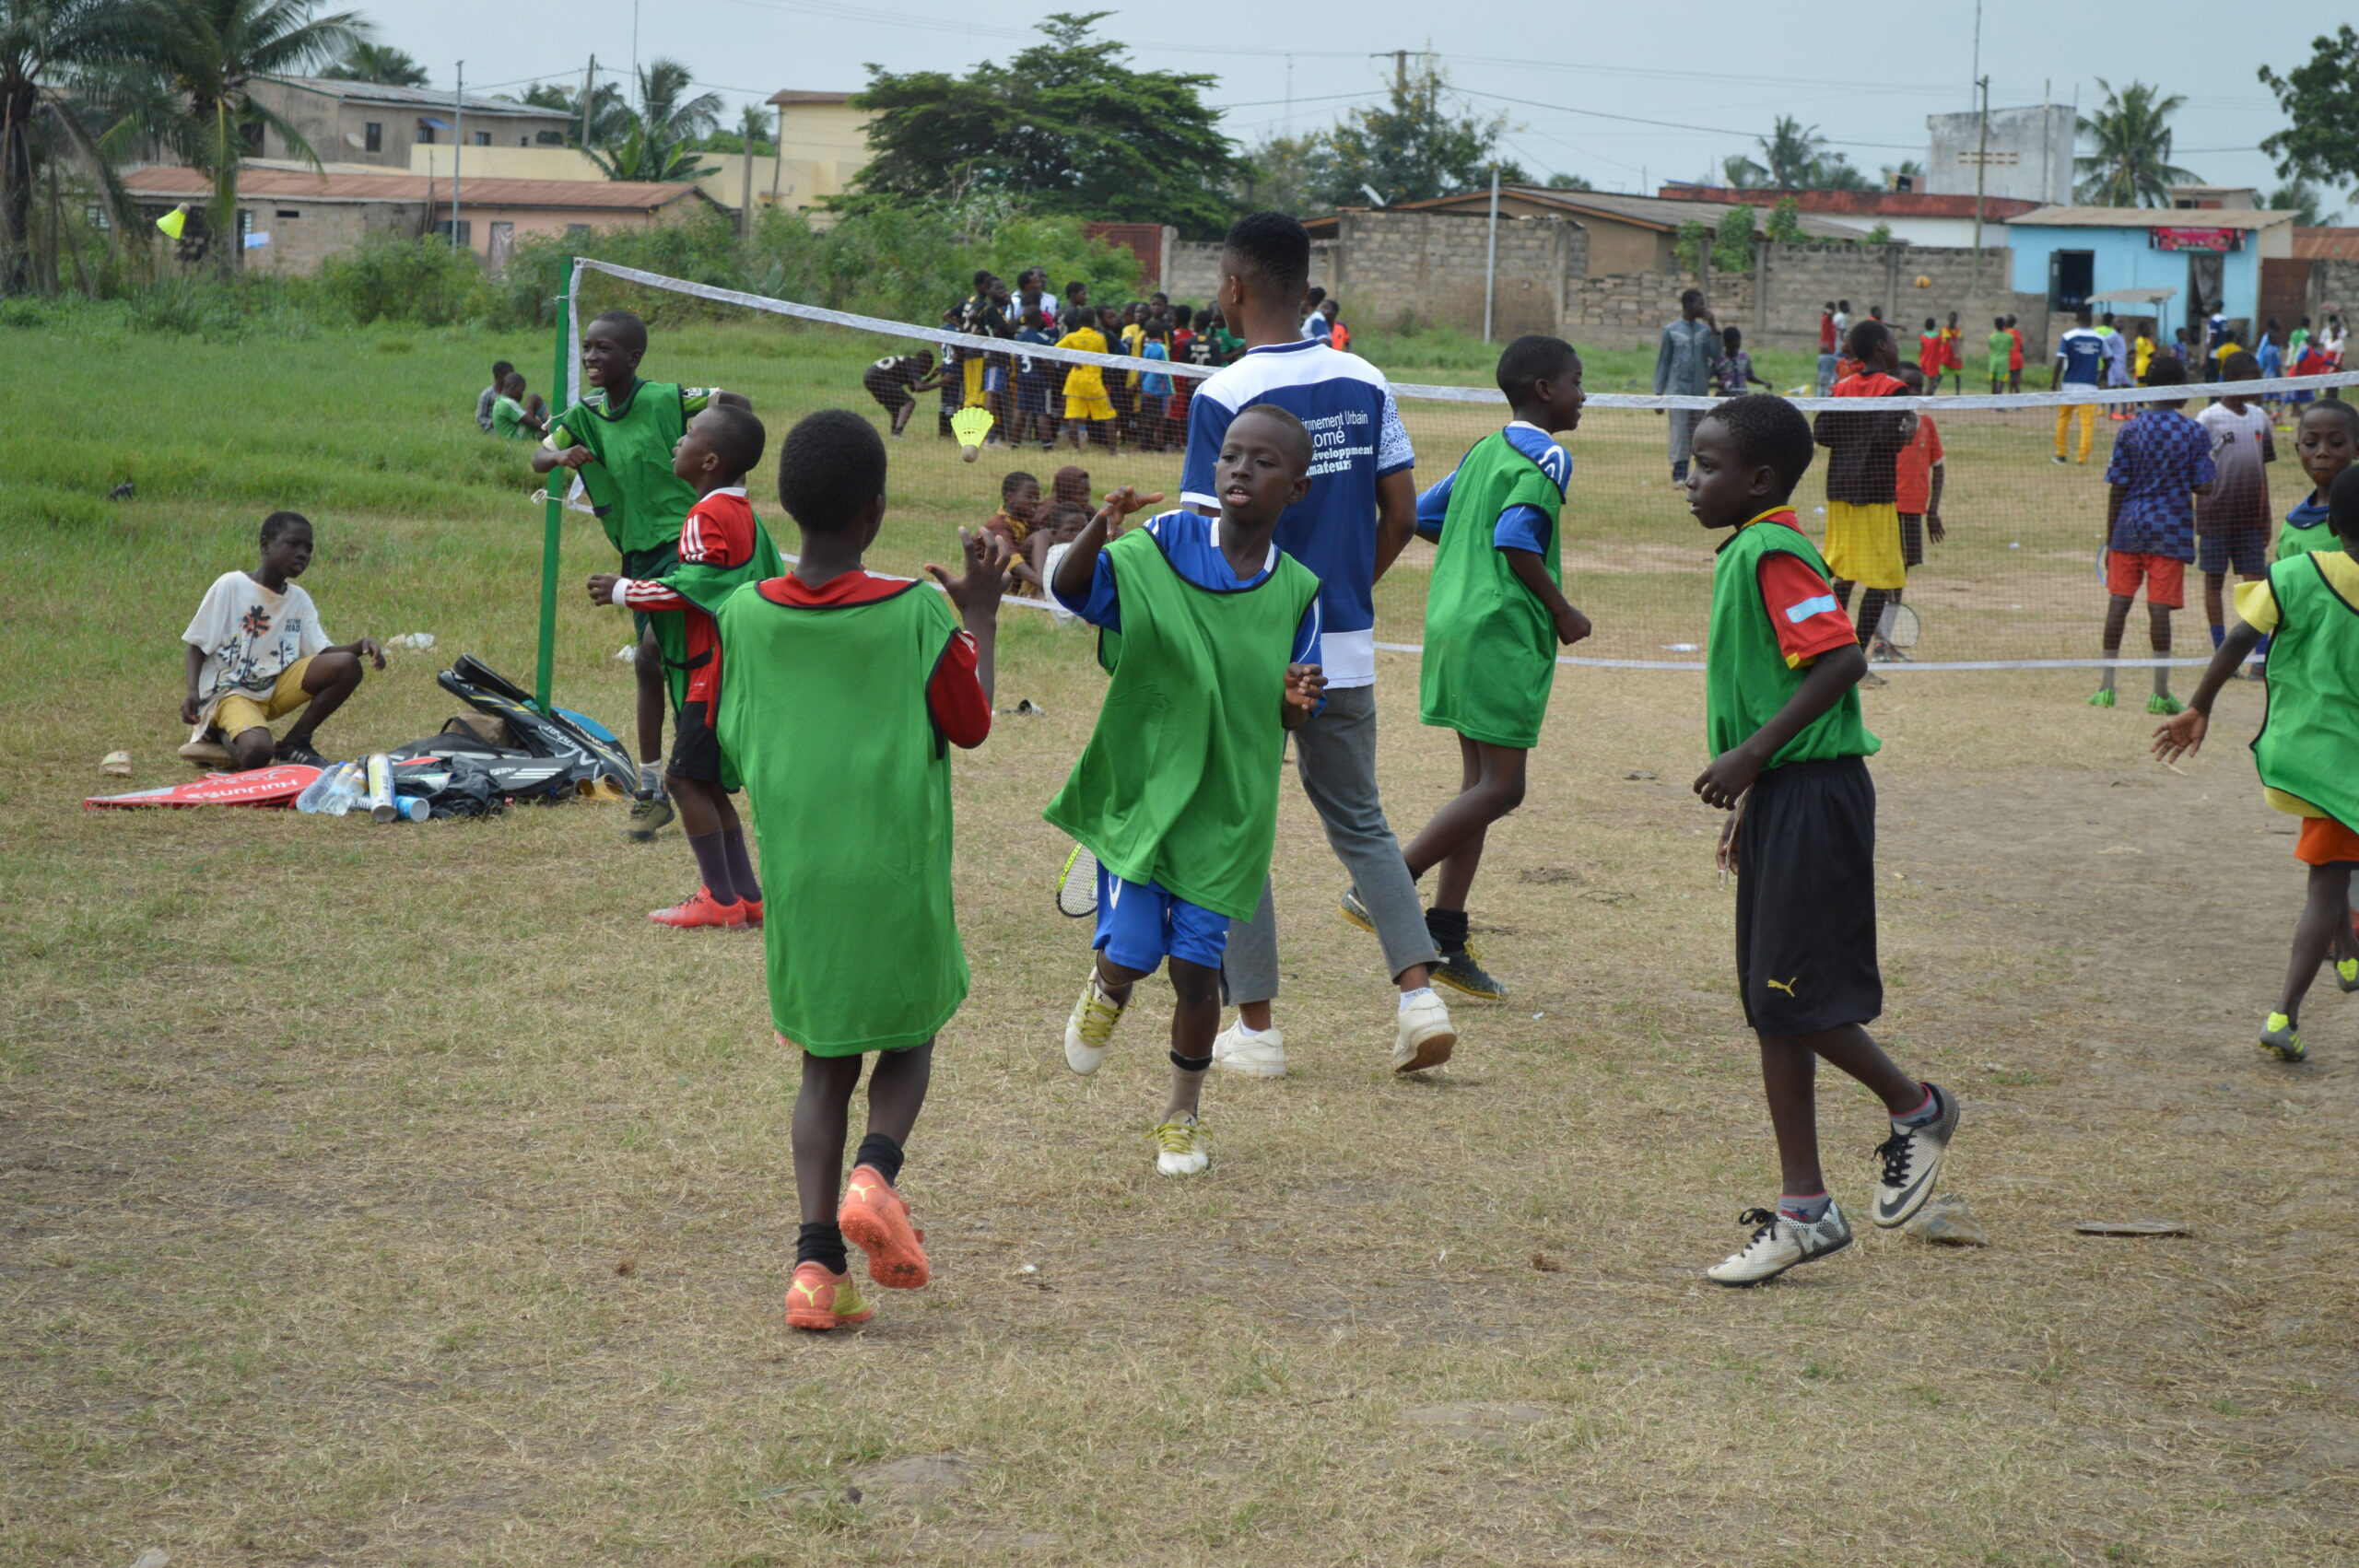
(560, 481)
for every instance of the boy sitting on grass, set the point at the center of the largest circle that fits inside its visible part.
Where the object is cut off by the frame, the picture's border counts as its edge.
(865, 958)
(1781, 712)
(722, 546)
(2160, 458)
(618, 442)
(256, 652)
(2307, 741)
(1210, 633)
(1494, 615)
(490, 395)
(518, 413)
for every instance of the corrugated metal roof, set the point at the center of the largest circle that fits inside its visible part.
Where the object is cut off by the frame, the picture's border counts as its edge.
(2326, 244)
(617, 195)
(1854, 204)
(2151, 217)
(792, 96)
(414, 98)
(1646, 212)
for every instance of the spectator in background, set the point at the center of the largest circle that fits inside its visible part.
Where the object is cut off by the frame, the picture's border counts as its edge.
(2002, 345)
(1842, 328)
(2117, 362)
(2271, 360)
(1734, 367)
(1683, 363)
(2080, 363)
(1931, 349)
(500, 370)
(2297, 341)
(1952, 356)
(1338, 335)
(1314, 320)
(1827, 340)
(2016, 355)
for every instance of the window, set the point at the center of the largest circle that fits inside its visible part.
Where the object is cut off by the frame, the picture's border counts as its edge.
(548, 139)
(2072, 278)
(97, 217)
(523, 141)
(250, 134)
(425, 133)
(245, 223)
(372, 136)
(483, 138)
(466, 230)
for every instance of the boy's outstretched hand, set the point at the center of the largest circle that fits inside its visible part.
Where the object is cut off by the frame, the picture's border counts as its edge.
(979, 589)
(601, 588)
(2181, 734)
(1121, 503)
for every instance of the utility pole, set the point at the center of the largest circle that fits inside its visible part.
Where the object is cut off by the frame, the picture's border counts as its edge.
(1981, 171)
(458, 145)
(1401, 69)
(589, 86)
(1491, 257)
(634, 84)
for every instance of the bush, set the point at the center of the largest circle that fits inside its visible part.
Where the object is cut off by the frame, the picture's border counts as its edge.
(425, 281)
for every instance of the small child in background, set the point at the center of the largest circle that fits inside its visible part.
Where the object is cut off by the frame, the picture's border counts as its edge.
(864, 959)
(500, 370)
(1952, 356)
(2014, 354)
(1733, 371)
(1126, 332)
(2232, 522)
(518, 415)
(1494, 615)
(2001, 346)
(1036, 384)
(1183, 352)
(1089, 411)
(2304, 750)
(1070, 484)
(2325, 443)
(895, 379)
(2271, 360)
(1932, 348)
(2159, 460)
(1154, 387)
(1020, 499)
(1917, 478)
(1339, 336)
(1862, 465)
(255, 651)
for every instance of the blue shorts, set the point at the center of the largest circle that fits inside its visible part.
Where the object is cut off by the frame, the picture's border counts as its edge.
(1139, 925)
(2242, 549)
(1032, 394)
(994, 378)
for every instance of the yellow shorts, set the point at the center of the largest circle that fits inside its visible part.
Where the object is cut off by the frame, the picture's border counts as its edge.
(1863, 544)
(238, 713)
(971, 377)
(1097, 406)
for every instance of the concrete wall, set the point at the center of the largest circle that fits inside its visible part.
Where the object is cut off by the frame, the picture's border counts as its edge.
(303, 234)
(1792, 283)
(1191, 269)
(337, 128)
(792, 187)
(2335, 287)
(1630, 308)
(2124, 259)
(2030, 156)
(1397, 267)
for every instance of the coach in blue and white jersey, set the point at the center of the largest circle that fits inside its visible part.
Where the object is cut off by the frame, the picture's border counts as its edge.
(1361, 511)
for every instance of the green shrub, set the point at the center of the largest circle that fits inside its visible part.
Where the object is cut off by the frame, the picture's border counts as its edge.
(424, 281)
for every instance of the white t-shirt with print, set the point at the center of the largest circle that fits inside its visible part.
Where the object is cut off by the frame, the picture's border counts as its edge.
(250, 635)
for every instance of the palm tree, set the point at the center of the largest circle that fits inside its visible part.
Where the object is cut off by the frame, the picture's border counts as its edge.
(378, 62)
(46, 47)
(637, 155)
(208, 52)
(1793, 154)
(2131, 164)
(664, 108)
(608, 113)
(1740, 172)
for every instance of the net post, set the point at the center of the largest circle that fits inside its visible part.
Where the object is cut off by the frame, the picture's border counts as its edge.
(553, 509)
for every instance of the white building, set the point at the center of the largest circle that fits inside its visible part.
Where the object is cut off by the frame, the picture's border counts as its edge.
(2028, 156)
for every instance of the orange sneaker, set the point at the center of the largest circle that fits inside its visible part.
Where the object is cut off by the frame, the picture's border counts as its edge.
(698, 909)
(875, 1219)
(819, 1299)
(753, 907)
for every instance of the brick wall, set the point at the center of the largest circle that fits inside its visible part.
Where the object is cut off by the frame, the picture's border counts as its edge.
(2334, 286)
(1793, 282)
(1629, 308)
(1395, 268)
(320, 229)
(1193, 271)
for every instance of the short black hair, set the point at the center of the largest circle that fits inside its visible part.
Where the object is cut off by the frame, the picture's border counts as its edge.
(1271, 250)
(1014, 480)
(633, 330)
(1931, 325)
(277, 523)
(1182, 315)
(2082, 315)
(830, 467)
(1911, 376)
(737, 438)
(1844, 305)
(1866, 338)
(2240, 367)
(2167, 371)
(1998, 323)
(1687, 294)
(1317, 295)
(1828, 307)
(1766, 428)
(1734, 337)
(1534, 357)
(2343, 505)
(1298, 437)
(499, 369)
(2346, 412)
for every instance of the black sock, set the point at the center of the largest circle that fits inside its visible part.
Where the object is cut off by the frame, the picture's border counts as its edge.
(820, 1241)
(882, 1153)
(741, 865)
(1448, 928)
(712, 865)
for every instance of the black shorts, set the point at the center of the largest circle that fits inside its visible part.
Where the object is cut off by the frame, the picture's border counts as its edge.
(1806, 900)
(2242, 548)
(696, 750)
(889, 392)
(1912, 539)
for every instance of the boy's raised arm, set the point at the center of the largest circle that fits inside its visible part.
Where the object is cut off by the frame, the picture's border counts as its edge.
(1080, 561)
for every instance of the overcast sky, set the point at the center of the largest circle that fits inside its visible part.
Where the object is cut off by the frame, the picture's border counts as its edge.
(1866, 72)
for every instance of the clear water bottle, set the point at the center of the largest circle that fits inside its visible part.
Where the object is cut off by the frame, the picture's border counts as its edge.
(334, 792)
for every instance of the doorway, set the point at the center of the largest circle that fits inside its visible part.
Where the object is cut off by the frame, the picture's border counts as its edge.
(503, 245)
(2204, 270)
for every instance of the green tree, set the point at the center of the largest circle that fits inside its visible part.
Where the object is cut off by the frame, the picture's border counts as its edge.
(2131, 134)
(1732, 242)
(754, 130)
(2302, 199)
(48, 47)
(1740, 173)
(378, 62)
(666, 110)
(1786, 222)
(1066, 124)
(1290, 174)
(205, 55)
(2321, 98)
(1791, 154)
(1412, 147)
(608, 113)
(1560, 181)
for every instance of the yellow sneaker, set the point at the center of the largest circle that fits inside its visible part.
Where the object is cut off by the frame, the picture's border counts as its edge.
(2346, 974)
(1090, 1030)
(2278, 1035)
(1182, 1147)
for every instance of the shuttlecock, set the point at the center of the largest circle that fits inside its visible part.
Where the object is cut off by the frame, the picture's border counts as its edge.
(970, 426)
(173, 222)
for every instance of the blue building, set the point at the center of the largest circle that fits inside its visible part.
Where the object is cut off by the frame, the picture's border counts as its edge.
(2208, 256)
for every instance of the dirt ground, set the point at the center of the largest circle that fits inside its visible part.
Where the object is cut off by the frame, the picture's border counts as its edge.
(398, 1196)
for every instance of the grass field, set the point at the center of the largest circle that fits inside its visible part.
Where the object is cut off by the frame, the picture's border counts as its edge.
(398, 1196)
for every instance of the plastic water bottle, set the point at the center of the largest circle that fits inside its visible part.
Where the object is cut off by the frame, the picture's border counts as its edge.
(378, 791)
(334, 792)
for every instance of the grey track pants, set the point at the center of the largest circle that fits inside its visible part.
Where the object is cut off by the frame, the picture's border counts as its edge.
(1335, 756)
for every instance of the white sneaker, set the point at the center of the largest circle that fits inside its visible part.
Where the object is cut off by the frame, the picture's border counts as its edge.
(1091, 1027)
(1182, 1147)
(1427, 1035)
(1781, 1242)
(1912, 1163)
(1263, 1056)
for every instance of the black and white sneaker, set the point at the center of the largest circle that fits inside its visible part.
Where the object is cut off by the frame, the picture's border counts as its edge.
(1779, 1243)
(1462, 972)
(300, 752)
(1912, 1161)
(649, 815)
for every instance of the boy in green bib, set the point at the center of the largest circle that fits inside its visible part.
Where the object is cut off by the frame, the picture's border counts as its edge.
(841, 693)
(2308, 609)
(618, 440)
(1209, 633)
(1494, 615)
(1781, 713)
(2325, 442)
